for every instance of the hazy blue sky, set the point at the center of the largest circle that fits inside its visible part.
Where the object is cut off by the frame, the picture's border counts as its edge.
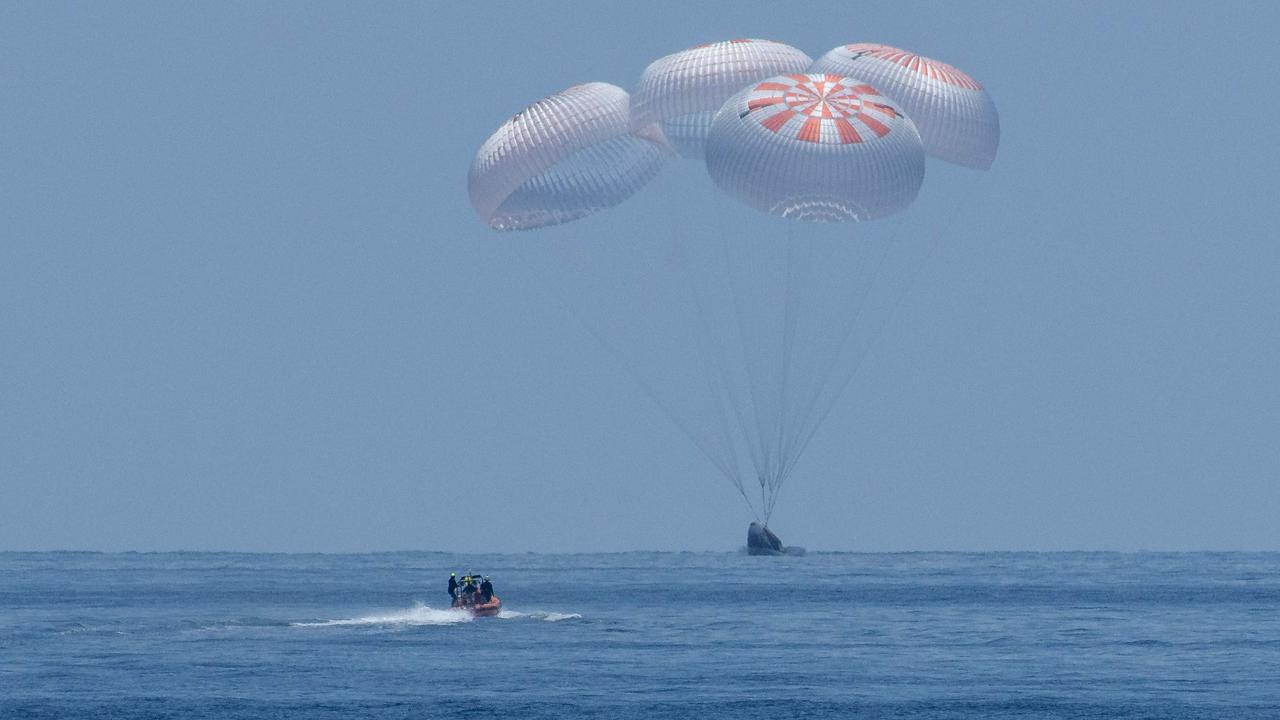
(244, 303)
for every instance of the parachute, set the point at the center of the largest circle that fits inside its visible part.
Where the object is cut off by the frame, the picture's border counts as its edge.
(742, 311)
(955, 116)
(684, 90)
(563, 158)
(816, 147)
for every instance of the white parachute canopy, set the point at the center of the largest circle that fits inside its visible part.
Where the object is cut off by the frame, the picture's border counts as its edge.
(684, 90)
(955, 116)
(562, 158)
(816, 147)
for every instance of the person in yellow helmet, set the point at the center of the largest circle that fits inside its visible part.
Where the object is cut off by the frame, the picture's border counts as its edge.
(453, 587)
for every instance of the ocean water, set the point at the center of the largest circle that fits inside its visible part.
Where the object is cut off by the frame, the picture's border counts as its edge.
(642, 635)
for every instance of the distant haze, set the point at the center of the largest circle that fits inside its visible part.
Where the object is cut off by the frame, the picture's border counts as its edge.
(245, 304)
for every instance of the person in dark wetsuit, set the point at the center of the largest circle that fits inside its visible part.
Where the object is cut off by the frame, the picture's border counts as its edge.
(468, 590)
(486, 590)
(453, 587)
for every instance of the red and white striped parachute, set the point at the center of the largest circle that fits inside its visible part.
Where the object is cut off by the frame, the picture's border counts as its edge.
(816, 147)
(955, 116)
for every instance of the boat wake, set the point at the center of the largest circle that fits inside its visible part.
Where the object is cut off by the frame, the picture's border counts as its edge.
(421, 614)
(538, 615)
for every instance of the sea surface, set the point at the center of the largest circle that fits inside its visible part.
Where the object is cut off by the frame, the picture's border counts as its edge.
(641, 635)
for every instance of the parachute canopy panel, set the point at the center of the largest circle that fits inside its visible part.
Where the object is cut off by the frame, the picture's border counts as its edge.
(816, 147)
(683, 91)
(562, 158)
(955, 116)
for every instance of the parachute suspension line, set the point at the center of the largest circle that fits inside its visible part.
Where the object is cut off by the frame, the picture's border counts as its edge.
(682, 244)
(933, 240)
(764, 501)
(755, 445)
(796, 271)
(848, 321)
(745, 425)
(718, 393)
(648, 389)
(788, 336)
(764, 271)
(813, 413)
(710, 359)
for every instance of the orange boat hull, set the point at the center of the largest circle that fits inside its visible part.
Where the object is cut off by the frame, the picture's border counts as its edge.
(489, 609)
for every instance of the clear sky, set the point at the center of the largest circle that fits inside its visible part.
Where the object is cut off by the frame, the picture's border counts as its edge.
(245, 305)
